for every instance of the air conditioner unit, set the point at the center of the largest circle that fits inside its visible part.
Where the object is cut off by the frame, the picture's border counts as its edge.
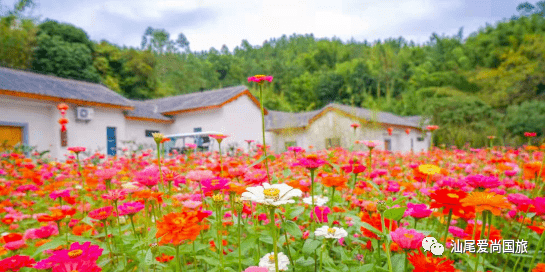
(85, 114)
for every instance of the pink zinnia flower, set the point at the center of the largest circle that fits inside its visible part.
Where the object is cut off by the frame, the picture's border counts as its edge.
(407, 239)
(481, 181)
(46, 231)
(101, 213)
(27, 187)
(260, 79)
(199, 175)
(519, 199)
(296, 149)
(130, 208)
(76, 149)
(56, 194)
(255, 178)
(190, 204)
(256, 269)
(538, 202)
(354, 168)
(148, 177)
(105, 174)
(214, 184)
(322, 214)
(310, 162)
(457, 232)
(15, 263)
(117, 194)
(417, 211)
(15, 245)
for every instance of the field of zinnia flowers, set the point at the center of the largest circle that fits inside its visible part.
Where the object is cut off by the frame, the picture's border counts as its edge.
(328, 210)
(331, 210)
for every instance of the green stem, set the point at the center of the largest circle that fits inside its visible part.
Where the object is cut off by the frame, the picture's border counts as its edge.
(220, 151)
(387, 244)
(178, 257)
(264, 147)
(448, 223)
(406, 262)
(159, 165)
(288, 246)
(219, 230)
(239, 238)
(321, 252)
(274, 233)
(333, 194)
(474, 237)
(133, 224)
(540, 243)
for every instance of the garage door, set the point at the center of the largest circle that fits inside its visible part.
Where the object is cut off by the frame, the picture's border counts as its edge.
(10, 136)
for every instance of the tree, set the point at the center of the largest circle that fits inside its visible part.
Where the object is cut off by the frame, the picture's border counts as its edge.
(183, 42)
(17, 42)
(65, 51)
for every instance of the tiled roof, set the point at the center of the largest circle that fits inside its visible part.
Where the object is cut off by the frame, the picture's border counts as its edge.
(51, 86)
(144, 109)
(280, 120)
(195, 100)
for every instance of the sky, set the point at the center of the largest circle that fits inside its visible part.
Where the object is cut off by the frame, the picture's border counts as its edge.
(209, 24)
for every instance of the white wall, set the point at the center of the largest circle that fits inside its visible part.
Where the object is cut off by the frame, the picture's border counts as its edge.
(240, 119)
(38, 116)
(136, 131)
(91, 134)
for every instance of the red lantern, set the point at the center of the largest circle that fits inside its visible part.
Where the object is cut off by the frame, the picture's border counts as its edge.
(408, 131)
(390, 131)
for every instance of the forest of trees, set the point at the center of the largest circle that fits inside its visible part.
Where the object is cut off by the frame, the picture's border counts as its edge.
(492, 83)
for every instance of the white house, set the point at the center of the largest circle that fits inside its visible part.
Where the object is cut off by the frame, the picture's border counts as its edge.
(331, 127)
(101, 119)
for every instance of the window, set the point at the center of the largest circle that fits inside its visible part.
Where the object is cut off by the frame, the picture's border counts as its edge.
(332, 142)
(149, 132)
(420, 139)
(412, 144)
(288, 144)
(388, 144)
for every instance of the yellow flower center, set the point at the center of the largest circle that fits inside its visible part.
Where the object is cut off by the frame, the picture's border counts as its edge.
(331, 231)
(272, 258)
(218, 198)
(271, 193)
(179, 221)
(75, 253)
(214, 182)
(453, 195)
(409, 236)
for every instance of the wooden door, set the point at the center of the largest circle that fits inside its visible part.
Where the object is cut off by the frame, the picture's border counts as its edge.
(10, 136)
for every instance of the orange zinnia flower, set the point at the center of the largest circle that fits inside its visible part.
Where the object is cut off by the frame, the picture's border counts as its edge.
(175, 228)
(485, 201)
(538, 268)
(334, 181)
(532, 169)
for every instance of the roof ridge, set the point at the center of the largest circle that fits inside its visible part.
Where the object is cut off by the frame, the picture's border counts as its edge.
(193, 93)
(58, 78)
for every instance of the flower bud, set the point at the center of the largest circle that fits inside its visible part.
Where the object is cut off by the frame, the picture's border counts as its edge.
(381, 206)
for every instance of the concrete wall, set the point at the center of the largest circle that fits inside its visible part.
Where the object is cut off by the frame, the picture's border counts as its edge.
(90, 134)
(240, 119)
(136, 131)
(334, 125)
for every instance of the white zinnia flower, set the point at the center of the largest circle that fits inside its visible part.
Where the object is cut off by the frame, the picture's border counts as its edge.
(271, 194)
(319, 200)
(269, 261)
(327, 232)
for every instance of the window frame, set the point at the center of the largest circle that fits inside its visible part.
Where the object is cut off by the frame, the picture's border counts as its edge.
(148, 133)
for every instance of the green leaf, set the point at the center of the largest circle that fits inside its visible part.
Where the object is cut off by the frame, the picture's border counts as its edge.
(310, 246)
(149, 259)
(395, 213)
(366, 268)
(50, 245)
(87, 220)
(167, 250)
(270, 157)
(305, 262)
(398, 262)
(296, 212)
(208, 260)
(286, 173)
(292, 228)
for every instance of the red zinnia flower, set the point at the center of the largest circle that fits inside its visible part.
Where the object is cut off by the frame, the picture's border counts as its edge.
(426, 263)
(101, 213)
(14, 263)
